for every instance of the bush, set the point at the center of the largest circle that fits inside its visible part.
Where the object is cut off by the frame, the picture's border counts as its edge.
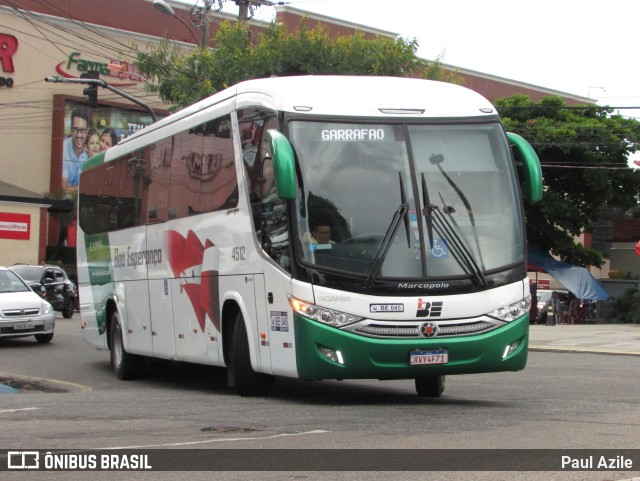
(626, 308)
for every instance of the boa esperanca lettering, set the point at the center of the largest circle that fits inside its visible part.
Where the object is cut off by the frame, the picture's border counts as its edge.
(136, 258)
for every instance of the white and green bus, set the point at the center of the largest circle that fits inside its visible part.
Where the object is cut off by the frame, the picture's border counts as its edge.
(319, 227)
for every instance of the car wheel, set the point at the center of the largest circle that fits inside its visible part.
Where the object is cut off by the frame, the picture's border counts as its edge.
(430, 386)
(44, 338)
(126, 366)
(246, 380)
(69, 309)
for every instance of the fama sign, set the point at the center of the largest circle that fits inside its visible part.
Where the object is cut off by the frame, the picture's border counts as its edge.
(115, 68)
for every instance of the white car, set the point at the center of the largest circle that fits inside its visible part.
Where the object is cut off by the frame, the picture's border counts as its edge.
(22, 311)
(544, 303)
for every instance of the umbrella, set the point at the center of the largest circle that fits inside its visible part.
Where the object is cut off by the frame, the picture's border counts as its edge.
(576, 279)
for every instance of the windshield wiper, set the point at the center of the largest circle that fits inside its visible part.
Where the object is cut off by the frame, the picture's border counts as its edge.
(437, 160)
(403, 200)
(426, 210)
(460, 252)
(386, 243)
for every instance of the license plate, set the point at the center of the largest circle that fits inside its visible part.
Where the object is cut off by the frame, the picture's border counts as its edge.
(435, 356)
(19, 326)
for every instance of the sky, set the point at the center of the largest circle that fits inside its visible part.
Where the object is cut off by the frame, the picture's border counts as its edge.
(584, 48)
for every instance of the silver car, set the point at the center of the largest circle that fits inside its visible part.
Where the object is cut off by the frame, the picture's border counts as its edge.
(23, 312)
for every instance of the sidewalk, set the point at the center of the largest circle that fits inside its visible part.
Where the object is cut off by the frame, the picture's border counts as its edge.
(595, 338)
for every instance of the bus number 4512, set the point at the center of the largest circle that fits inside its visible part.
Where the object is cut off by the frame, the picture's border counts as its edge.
(237, 253)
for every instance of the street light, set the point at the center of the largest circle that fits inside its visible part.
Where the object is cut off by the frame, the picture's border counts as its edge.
(165, 8)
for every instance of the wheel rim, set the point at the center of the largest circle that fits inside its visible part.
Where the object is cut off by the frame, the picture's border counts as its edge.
(117, 349)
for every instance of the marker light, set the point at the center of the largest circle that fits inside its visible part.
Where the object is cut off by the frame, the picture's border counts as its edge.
(335, 356)
(324, 315)
(402, 111)
(510, 349)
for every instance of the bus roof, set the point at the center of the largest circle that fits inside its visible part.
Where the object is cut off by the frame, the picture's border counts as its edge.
(344, 96)
(366, 96)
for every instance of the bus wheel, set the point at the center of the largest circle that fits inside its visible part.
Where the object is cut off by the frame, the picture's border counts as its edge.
(430, 386)
(125, 365)
(246, 380)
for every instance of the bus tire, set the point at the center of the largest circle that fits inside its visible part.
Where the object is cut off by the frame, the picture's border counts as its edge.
(126, 366)
(246, 380)
(430, 386)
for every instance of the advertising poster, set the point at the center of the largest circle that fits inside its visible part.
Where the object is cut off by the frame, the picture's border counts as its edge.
(15, 226)
(88, 131)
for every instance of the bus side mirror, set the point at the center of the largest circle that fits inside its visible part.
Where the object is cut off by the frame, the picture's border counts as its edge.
(283, 164)
(524, 153)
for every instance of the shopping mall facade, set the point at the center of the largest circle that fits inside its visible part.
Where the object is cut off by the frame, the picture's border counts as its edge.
(40, 119)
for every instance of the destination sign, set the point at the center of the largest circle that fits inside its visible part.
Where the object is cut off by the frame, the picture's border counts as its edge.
(352, 134)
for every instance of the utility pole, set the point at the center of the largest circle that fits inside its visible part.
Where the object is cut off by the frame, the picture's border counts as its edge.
(245, 7)
(200, 19)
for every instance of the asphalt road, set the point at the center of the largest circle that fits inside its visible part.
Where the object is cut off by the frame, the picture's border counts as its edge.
(560, 401)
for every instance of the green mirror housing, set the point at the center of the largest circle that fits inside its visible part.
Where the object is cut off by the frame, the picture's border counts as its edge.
(94, 161)
(524, 153)
(284, 163)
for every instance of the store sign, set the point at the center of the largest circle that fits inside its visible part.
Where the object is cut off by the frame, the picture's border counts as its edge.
(8, 47)
(15, 226)
(113, 68)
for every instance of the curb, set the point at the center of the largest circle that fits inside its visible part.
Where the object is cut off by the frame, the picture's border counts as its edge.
(579, 350)
(30, 385)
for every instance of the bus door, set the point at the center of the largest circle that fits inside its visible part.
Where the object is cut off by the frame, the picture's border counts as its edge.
(194, 292)
(162, 333)
(276, 321)
(130, 272)
(262, 327)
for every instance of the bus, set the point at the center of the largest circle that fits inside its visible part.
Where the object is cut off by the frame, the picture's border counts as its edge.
(312, 227)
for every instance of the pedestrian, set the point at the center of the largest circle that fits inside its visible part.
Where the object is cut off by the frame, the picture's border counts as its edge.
(553, 319)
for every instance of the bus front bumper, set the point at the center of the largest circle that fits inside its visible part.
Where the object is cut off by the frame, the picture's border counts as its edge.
(324, 352)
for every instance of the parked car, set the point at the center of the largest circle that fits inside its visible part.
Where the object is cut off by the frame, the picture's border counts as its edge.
(545, 308)
(52, 283)
(22, 312)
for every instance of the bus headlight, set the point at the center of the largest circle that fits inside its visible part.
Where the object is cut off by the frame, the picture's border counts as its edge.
(324, 315)
(512, 311)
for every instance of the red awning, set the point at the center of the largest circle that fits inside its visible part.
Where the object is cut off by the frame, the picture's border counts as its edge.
(533, 268)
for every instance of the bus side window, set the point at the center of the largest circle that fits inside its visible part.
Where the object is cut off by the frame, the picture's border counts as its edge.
(158, 171)
(113, 193)
(275, 234)
(267, 209)
(252, 125)
(202, 170)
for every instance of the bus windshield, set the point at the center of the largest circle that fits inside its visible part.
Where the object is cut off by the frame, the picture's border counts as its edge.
(419, 200)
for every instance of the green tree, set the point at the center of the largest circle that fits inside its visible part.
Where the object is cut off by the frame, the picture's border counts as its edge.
(183, 77)
(584, 153)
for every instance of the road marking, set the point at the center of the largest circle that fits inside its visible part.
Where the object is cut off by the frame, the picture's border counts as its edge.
(204, 441)
(17, 410)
